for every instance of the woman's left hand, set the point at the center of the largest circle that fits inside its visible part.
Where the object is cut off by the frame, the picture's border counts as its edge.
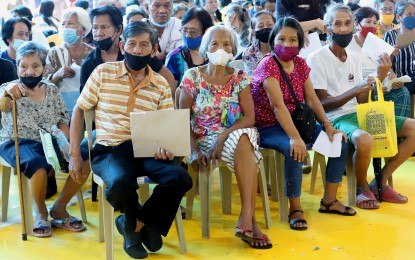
(216, 150)
(397, 85)
(331, 131)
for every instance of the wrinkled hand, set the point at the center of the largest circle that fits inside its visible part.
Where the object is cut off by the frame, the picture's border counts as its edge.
(331, 131)
(320, 25)
(16, 91)
(215, 151)
(163, 154)
(397, 85)
(75, 169)
(198, 160)
(298, 149)
(384, 64)
(365, 86)
(65, 72)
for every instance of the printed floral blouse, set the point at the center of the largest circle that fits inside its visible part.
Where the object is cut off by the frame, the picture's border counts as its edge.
(215, 107)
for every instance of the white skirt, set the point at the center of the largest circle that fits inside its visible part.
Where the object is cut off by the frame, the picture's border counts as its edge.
(229, 147)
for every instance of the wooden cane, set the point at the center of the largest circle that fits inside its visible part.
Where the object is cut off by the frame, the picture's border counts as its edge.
(19, 175)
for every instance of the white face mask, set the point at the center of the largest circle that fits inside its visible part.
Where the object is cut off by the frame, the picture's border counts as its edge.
(219, 57)
(17, 43)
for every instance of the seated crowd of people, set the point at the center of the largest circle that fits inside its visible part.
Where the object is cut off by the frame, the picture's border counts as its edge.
(163, 55)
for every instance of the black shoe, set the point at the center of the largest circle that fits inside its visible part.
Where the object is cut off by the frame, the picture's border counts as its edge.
(51, 189)
(151, 239)
(132, 240)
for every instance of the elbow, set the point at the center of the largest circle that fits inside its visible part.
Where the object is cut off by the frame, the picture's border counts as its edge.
(250, 121)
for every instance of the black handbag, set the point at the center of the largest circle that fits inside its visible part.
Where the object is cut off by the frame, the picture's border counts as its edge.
(303, 117)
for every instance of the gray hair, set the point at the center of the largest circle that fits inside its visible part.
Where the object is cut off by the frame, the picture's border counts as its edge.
(82, 16)
(207, 38)
(243, 15)
(332, 9)
(31, 48)
(137, 28)
(179, 7)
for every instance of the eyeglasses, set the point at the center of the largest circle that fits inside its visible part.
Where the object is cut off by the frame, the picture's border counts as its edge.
(387, 10)
(190, 32)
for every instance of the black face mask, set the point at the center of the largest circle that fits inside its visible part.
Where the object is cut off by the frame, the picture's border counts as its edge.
(342, 40)
(263, 34)
(31, 81)
(135, 62)
(105, 44)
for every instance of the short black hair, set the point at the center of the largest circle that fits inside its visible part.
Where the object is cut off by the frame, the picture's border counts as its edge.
(258, 14)
(365, 12)
(23, 11)
(287, 21)
(136, 12)
(137, 28)
(113, 12)
(8, 27)
(200, 14)
(46, 8)
(82, 3)
(263, 2)
(133, 2)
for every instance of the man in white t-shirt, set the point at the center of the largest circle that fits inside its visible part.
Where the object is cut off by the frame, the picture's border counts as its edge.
(336, 74)
(167, 27)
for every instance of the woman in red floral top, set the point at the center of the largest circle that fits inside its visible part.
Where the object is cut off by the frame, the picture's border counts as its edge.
(274, 105)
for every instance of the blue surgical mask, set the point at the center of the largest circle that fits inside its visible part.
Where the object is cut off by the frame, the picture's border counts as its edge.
(409, 22)
(161, 25)
(69, 36)
(192, 43)
(17, 43)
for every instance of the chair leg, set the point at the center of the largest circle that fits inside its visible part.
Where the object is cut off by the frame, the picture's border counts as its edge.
(262, 180)
(272, 170)
(226, 189)
(5, 184)
(180, 231)
(101, 195)
(190, 195)
(283, 201)
(204, 191)
(81, 203)
(351, 181)
(108, 213)
(314, 170)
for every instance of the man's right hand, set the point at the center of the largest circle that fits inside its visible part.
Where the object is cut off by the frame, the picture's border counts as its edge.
(75, 168)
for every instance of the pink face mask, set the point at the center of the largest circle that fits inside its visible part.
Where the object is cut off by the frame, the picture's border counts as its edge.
(285, 53)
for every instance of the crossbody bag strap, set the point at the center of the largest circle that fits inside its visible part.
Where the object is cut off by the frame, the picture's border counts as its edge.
(287, 81)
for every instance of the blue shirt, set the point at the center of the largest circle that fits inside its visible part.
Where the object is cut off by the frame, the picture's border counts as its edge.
(5, 55)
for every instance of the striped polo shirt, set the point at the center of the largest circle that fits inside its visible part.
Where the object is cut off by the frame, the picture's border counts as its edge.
(110, 89)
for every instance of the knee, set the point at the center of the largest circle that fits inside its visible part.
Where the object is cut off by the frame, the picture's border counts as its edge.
(364, 143)
(184, 181)
(120, 186)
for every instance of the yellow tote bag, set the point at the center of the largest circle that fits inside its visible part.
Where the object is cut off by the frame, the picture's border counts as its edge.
(378, 119)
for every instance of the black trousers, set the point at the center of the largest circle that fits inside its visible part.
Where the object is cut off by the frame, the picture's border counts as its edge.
(118, 168)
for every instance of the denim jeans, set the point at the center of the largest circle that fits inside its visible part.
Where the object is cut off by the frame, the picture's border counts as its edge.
(274, 137)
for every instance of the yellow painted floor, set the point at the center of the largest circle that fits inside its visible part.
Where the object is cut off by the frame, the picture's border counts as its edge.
(386, 233)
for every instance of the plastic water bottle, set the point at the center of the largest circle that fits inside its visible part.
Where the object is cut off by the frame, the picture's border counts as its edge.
(62, 141)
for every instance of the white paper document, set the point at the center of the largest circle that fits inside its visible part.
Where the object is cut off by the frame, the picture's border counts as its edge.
(375, 47)
(403, 79)
(314, 44)
(72, 84)
(167, 129)
(325, 147)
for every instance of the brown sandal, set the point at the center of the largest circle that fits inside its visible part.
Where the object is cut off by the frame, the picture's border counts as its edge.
(346, 212)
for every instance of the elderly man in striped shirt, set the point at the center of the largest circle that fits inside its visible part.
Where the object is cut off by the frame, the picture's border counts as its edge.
(113, 90)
